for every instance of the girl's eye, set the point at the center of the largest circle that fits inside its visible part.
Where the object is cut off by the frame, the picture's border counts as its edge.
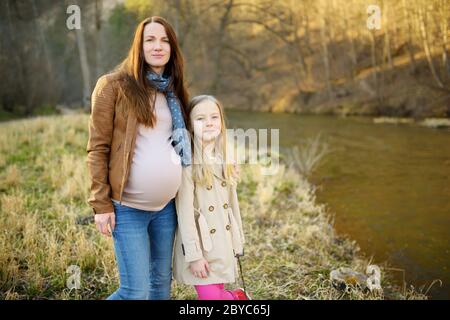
(199, 119)
(215, 117)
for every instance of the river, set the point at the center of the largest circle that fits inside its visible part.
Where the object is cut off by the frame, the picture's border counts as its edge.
(388, 186)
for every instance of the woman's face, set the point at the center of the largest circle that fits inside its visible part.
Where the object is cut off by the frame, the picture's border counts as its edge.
(206, 121)
(156, 46)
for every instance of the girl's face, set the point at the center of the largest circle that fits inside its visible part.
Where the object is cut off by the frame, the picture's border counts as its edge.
(206, 121)
(156, 46)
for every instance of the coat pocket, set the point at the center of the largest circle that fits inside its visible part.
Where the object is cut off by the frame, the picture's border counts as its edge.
(191, 250)
(203, 230)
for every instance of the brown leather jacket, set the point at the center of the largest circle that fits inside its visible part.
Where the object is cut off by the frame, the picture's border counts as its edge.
(112, 136)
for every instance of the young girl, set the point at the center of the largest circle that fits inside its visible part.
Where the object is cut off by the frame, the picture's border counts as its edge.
(210, 234)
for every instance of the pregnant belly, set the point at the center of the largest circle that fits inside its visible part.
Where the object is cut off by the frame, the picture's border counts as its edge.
(155, 176)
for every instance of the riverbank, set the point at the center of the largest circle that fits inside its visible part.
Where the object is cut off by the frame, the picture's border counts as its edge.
(399, 93)
(435, 123)
(396, 91)
(291, 243)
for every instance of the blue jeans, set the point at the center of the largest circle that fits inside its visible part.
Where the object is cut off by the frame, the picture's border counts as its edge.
(143, 244)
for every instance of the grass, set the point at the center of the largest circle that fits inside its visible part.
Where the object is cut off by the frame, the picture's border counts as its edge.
(20, 112)
(306, 158)
(291, 244)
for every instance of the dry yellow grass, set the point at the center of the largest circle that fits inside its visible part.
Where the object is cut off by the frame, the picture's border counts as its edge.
(291, 245)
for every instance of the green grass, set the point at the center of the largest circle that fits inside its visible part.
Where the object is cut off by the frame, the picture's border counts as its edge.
(20, 113)
(291, 244)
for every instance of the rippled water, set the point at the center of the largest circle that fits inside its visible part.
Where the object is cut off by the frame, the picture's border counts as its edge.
(388, 185)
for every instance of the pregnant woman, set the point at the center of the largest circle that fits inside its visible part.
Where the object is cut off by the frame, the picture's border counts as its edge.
(136, 149)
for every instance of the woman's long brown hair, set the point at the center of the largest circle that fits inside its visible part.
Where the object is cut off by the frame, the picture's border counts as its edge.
(135, 90)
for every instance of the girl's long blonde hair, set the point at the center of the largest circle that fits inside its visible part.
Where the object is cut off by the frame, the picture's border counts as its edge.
(202, 170)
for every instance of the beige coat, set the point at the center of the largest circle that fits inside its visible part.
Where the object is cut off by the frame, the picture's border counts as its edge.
(209, 226)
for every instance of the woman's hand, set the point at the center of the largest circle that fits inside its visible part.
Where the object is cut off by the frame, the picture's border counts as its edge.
(200, 268)
(105, 222)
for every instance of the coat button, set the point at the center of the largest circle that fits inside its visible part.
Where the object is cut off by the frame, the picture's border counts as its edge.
(224, 184)
(225, 206)
(213, 230)
(228, 227)
(208, 187)
(211, 208)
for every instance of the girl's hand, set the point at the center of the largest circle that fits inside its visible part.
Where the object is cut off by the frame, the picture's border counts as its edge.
(105, 222)
(200, 268)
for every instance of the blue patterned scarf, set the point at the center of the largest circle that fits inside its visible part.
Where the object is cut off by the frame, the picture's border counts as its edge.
(180, 136)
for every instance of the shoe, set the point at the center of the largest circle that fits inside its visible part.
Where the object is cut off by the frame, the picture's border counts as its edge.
(240, 294)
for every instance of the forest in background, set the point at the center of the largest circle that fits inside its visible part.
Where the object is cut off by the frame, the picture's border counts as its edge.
(280, 56)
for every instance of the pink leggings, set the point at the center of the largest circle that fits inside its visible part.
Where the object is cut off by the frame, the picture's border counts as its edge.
(213, 292)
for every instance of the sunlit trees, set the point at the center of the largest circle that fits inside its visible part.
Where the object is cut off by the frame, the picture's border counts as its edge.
(286, 55)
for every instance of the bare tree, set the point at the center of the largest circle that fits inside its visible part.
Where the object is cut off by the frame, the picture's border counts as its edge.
(85, 69)
(348, 28)
(98, 38)
(221, 34)
(12, 32)
(443, 17)
(311, 46)
(324, 43)
(409, 32)
(422, 17)
(387, 42)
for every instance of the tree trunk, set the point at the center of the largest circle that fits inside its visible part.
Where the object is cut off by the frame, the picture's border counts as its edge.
(374, 64)
(306, 27)
(387, 42)
(409, 42)
(325, 57)
(445, 31)
(99, 38)
(42, 40)
(215, 86)
(424, 34)
(85, 70)
(50, 89)
(349, 37)
(17, 57)
(298, 54)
